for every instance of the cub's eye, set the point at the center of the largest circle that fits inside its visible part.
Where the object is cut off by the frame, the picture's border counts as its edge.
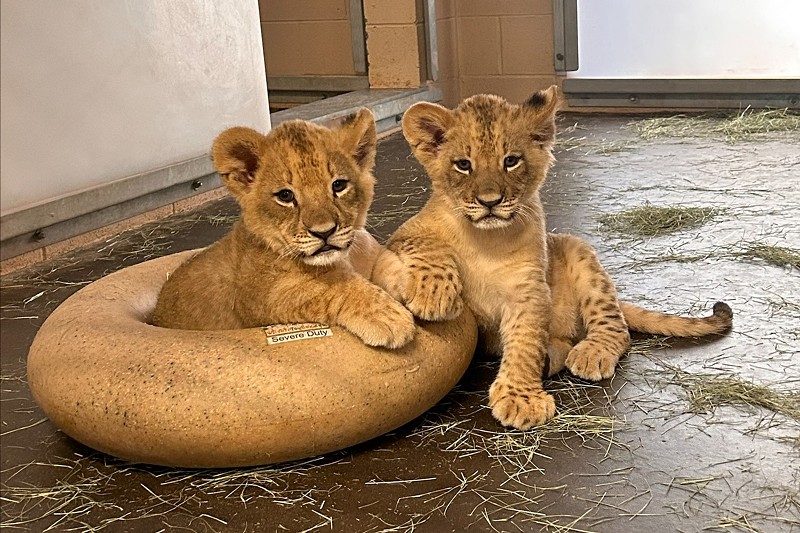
(463, 165)
(339, 185)
(285, 196)
(511, 162)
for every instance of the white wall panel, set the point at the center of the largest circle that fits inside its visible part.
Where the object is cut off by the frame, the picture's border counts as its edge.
(688, 39)
(95, 91)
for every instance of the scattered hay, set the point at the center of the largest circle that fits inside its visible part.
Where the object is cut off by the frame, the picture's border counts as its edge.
(140, 244)
(581, 415)
(769, 253)
(653, 221)
(645, 346)
(497, 506)
(389, 216)
(245, 484)
(220, 220)
(706, 392)
(568, 144)
(747, 125)
(610, 147)
(738, 523)
(783, 307)
(67, 503)
(671, 258)
(85, 497)
(601, 147)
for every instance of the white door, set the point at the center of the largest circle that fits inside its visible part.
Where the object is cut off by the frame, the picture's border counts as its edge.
(633, 50)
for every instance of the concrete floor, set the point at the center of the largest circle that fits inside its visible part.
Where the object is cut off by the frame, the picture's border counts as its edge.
(630, 454)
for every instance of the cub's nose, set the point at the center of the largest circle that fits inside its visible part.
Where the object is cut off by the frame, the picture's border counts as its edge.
(490, 200)
(322, 234)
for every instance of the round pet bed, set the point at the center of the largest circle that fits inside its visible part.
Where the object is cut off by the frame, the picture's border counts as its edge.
(226, 398)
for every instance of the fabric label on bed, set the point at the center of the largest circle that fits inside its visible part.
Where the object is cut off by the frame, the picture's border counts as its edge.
(281, 333)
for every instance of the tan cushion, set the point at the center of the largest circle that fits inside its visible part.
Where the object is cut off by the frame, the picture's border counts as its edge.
(225, 398)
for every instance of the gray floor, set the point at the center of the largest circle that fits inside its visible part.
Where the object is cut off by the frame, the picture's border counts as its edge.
(628, 455)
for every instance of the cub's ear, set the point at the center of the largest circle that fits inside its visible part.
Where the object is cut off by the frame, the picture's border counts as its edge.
(425, 128)
(358, 138)
(236, 153)
(544, 102)
(540, 111)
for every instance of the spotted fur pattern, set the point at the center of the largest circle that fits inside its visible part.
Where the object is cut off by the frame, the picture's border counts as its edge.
(480, 240)
(543, 301)
(300, 252)
(589, 330)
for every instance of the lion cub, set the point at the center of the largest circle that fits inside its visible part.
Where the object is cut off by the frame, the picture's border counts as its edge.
(542, 301)
(295, 256)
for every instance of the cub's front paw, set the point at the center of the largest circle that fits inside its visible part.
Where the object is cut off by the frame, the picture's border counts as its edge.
(592, 361)
(435, 296)
(520, 408)
(385, 323)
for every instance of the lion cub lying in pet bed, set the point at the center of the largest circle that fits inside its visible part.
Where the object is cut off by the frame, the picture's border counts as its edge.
(304, 192)
(481, 241)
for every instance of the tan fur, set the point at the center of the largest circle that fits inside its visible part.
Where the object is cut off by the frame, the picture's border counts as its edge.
(450, 253)
(541, 300)
(273, 266)
(589, 327)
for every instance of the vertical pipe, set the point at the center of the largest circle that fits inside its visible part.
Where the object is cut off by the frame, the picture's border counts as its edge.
(358, 39)
(431, 47)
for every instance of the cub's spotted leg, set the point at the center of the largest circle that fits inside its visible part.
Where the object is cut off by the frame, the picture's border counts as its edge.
(557, 351)
(516, 397)
(607, 336)
(423, 275)
(564, 327)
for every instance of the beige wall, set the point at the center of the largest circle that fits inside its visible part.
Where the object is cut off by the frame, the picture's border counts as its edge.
(499, 46)
(503, 47)
(306, 37)
(395, 43)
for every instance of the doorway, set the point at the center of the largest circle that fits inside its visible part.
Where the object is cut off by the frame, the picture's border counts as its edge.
(685, 53)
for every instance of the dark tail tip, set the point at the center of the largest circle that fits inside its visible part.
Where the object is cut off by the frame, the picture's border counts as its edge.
(723, 311)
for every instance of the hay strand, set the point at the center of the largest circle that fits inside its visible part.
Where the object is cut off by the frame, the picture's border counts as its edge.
(744, 126)
(769, 253)
(653, 221)
(706, 392)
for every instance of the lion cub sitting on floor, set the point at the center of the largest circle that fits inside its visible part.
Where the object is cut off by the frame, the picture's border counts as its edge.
(542, 301)
(304, 192)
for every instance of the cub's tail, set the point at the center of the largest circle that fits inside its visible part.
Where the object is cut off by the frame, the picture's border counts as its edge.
(657, 323)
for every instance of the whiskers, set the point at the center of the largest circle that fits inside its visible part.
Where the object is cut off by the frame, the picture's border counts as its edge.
(289, 252)
(356, 246)
(321, 252)
(460, 209)
(342, 238)
(305, 244)
(526, 213)
(506, 209)
(500, 216)
(472, 210)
